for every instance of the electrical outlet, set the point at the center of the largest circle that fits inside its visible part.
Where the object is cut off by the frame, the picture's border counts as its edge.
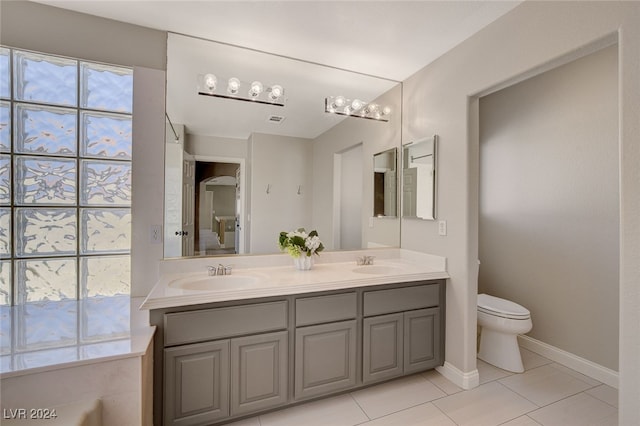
(442, 227)
(155, 234)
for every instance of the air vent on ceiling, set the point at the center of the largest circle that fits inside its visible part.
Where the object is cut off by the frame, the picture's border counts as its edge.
(275, 119)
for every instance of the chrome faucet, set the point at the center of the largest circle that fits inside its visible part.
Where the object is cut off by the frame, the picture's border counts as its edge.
(365, 260)
(219, 270)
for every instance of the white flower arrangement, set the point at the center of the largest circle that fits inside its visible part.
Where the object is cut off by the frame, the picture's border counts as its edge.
(298, 242)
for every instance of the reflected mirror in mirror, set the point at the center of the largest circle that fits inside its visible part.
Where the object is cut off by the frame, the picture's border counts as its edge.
(385, 183)
(419, 179)
(239, 173)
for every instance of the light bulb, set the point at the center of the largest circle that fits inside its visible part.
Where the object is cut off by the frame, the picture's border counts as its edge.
(386, 110)
(210, 81)
(233, 86)
(256, 89)
(276, 92)
(339, 101)
(371, 109)
(356, 104)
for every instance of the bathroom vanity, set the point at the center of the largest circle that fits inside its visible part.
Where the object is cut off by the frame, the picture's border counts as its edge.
(303, 335)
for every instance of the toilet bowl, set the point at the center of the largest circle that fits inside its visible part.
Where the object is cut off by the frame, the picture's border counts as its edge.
(501, 321)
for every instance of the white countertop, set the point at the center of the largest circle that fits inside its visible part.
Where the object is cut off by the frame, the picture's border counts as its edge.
(277, 276)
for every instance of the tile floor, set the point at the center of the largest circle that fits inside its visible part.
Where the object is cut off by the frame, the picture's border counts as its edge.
(545, 394)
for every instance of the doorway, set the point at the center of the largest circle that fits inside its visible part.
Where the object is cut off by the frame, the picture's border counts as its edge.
(348, 184)
(217, 209)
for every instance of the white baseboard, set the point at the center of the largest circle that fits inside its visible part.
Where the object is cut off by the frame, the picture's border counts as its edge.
(581, 365)
(464, 380)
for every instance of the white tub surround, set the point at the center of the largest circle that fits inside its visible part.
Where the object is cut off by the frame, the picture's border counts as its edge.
(60, 353)
(275, 275)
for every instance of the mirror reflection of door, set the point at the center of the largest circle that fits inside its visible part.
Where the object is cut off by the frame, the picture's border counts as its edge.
(217, 208)
(188, 194)
(174, 154)
(349, 206)
(385, 184)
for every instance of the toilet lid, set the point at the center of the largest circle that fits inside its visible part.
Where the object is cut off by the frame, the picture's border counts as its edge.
(501, 307)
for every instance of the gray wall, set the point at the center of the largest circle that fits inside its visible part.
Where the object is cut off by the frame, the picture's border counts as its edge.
(443, 98)
(549, 203)
(57, 31)
(284, 163)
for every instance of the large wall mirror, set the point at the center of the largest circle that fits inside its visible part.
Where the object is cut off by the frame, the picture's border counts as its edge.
(419, 179)
(237, 173)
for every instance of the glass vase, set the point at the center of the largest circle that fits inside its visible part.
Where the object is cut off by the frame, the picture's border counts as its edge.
(303, 263)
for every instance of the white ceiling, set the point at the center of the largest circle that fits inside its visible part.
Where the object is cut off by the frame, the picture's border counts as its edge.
(390, 39)
(387, 39)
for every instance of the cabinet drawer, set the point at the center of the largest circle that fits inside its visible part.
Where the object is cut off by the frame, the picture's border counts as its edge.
(320, 309)
(401, 299)
(217, 323)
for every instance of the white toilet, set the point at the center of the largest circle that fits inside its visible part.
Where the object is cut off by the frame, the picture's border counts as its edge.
(501, 321)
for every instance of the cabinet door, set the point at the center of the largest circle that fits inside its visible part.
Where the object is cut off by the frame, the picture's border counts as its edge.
(325, 358)
(421, 339)
(382, 347)
(196, 387)
(258, 372)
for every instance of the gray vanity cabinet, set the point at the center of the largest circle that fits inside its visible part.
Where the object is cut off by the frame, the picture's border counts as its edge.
(421, 340)
(241, 367)
(325, 358)
(196, 383)
(382, 343)
(223, 361)
(258, 372)
(401, 332)
(325, 347)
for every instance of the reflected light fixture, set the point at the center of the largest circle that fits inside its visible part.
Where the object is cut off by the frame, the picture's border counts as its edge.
(210, 82)
(233, 87)
(271, 95)
(356, 108)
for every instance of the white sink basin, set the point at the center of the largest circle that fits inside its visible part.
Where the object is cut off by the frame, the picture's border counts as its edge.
(219, 283)
(377, 269)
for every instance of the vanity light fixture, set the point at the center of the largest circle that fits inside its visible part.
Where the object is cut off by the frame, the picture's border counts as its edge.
(256, 92)
(356, 108)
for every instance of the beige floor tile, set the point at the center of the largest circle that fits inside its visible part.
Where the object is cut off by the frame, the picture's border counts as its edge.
(574, 373)
(337, 411)
(545, 385)
(421, 415)
(522, 421)
(253, 421)
(532, 359)
(578, 410)
(605, 393)
(442, 382)
(487, 405)
(489, 373)
(396, 395)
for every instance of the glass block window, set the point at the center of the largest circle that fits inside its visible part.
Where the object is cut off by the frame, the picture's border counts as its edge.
(65, 178)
